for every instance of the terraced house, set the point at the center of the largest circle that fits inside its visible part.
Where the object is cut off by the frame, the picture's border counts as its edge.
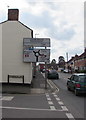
(77, 63)
(80, 62)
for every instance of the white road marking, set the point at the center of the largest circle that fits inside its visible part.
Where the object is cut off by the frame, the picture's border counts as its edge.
(52, 108)
(69, 115)
(57, 99)
(48, 98)
(52, 85)
(55, 95)
(47, 95)
(19, 108)
(7, 98)
(43, 74)
(61, 103)
(50, 102)
(64, 108)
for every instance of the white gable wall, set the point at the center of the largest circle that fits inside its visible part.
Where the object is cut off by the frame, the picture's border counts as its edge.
(13, 33)
(0, 52)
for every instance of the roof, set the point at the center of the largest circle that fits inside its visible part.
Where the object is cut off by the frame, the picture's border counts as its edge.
(71, 60)
(3, 22)
(79, 74)
(25, 26)
(19, 22)
(82, 56)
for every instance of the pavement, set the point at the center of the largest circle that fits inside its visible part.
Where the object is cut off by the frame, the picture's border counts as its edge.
(37, 86)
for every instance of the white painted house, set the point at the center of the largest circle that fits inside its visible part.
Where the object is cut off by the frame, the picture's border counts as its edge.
(13, 32)
(0, 52)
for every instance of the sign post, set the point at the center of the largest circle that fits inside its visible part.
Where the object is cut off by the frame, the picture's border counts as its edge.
(33, 54)
(45, 73)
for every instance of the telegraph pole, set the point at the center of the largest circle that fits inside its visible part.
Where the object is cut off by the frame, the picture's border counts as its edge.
(67, 56)
(67, 59)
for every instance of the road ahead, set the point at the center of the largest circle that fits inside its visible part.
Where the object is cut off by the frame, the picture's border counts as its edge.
(50, 104)
(75, 104)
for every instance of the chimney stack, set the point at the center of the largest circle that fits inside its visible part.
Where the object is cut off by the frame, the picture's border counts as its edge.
(85, 49)
(13, 14)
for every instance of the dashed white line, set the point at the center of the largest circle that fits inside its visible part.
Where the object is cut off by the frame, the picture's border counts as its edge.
(58, 99)
(61, 103)
(47, 95)
(69, 115)
(7, 98)
(64, 108)
(55, 95)
(52, 108)
(48, 98)
(50, 102)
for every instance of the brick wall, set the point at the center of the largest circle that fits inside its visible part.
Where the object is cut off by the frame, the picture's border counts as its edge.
(13, 14)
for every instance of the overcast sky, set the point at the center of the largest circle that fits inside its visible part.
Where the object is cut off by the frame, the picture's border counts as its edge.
(61, 20)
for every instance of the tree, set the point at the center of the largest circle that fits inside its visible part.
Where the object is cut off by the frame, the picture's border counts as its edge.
(61, 61)
(53, 64)
(53, 61)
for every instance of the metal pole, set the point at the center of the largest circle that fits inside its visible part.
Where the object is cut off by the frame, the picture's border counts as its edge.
(67, 61)
(45, 73)
(67, 56)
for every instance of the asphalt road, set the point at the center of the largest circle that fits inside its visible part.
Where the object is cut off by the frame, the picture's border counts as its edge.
(75, 104)
(32, 106)
(57, 103)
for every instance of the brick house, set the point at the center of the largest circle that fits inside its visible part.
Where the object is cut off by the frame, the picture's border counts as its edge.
(77, 63)
(70, 64)
(80, 62)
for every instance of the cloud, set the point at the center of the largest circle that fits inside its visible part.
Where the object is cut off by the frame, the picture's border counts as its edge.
(46, 21)
(62, 21)
(60, 33)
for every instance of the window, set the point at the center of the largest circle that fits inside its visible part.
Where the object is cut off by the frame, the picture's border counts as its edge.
(76, 78)
(82, 78)
(72, 78)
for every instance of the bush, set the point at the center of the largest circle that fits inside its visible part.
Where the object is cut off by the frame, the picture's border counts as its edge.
(82, 71)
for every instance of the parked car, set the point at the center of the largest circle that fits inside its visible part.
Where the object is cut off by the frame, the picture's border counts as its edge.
(52, 74)
(77, 83)
(65, 70)
(43, 71)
